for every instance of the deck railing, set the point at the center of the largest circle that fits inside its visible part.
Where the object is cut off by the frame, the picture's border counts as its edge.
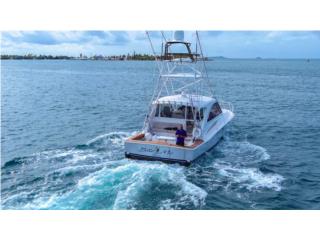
(226, 105)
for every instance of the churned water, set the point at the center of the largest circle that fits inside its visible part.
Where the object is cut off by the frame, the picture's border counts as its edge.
(64, 124)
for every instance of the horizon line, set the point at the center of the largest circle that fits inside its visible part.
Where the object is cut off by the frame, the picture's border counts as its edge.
(72, 57)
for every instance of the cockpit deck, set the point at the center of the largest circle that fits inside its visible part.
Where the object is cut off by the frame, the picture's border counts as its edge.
(140, 138)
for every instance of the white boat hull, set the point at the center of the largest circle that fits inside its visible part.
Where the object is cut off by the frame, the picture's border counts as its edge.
(176, 154)
(169, 154)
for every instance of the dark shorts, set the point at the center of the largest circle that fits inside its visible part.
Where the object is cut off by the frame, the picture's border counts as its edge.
(180, 144)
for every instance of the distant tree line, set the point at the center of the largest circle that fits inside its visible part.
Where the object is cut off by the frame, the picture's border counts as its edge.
(31, 56)
(134, 56)
(142, 57)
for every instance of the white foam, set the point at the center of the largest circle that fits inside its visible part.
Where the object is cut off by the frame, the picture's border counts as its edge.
(120, 135)
(90, 180)
(232, 166)
(122, 182)
(244, 151)
(126, 185)
(261, 151)
(79, 156)
(184, 191)
(89, 159)
(76, 168)
(50, 154)
(167, 204)
(42, 202)
(250, 178)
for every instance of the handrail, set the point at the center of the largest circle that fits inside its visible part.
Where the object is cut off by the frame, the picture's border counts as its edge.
(226, 105)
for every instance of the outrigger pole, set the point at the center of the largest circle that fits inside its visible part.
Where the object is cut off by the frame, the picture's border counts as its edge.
(204, 64)
(146, 120)
(154, 52)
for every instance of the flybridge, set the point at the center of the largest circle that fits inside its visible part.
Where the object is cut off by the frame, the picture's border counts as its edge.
(181, 66)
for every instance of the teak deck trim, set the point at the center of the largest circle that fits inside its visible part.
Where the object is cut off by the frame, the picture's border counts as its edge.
(137, 138)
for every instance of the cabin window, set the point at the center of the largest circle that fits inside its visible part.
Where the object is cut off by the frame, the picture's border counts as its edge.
(157, 111)
(215, 111)
(179, 112)
(171, 111)
(199, 114)
(191, 112)
(165, 111)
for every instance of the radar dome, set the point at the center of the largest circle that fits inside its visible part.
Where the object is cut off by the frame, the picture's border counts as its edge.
(178, 36)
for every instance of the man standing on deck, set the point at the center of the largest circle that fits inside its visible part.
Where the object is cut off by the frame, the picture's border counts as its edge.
(181, 135)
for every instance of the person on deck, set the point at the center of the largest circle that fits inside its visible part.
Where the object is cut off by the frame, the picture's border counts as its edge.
(181, 135)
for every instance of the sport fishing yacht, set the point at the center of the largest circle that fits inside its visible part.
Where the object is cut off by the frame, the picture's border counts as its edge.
(183, 98)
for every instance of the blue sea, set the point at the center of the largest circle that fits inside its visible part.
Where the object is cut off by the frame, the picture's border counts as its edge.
(64, 124)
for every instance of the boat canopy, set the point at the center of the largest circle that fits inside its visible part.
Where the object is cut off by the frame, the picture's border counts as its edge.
(187, 100)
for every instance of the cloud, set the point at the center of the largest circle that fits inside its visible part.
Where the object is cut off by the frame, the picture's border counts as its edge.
(120, 37)
(75, 37)
(40, 37)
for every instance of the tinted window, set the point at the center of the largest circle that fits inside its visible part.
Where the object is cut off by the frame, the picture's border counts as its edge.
(170, 111)
(165, 111)
(200, 114)
(215, 111)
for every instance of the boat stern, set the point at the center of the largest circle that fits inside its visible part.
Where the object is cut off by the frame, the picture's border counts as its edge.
(137, 148)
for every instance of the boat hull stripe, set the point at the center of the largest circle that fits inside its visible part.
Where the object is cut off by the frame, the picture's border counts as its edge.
(149, 158)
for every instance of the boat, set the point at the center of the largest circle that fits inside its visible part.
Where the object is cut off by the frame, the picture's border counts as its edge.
(183, 97)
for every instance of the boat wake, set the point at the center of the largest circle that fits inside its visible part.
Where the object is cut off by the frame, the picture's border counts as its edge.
(249, 178)
(239, 164)
(95, 175)
(133, 186)
(36, 181)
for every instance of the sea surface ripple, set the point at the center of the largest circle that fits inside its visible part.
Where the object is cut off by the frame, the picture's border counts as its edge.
(64, 124)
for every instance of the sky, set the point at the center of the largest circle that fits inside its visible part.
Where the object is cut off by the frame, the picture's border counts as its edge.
(233, 44)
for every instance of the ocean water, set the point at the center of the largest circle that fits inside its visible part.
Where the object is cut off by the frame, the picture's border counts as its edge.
(64, 124)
